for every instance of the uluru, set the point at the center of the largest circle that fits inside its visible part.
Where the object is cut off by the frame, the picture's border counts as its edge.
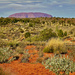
(30, 15)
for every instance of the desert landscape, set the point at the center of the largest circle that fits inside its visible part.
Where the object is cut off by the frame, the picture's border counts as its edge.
(37, 46)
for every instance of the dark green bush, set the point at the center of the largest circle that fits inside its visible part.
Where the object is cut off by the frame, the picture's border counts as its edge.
(27, 34)
(47, 34)
(60, 33)
(65, 33)
(31, 25)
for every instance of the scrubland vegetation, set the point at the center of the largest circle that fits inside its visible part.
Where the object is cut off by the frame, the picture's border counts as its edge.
(50, 33)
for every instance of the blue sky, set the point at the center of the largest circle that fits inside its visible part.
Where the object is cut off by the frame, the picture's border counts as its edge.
(57, 8)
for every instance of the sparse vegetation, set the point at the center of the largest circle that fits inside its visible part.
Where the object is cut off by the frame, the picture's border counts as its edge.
(47, 34)
(25, 57)
(59, 64)
(55, 46)
(27, 35)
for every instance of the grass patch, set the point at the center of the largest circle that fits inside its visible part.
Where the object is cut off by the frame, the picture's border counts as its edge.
(55, 46)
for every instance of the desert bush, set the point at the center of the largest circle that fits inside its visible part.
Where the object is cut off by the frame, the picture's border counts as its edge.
(13, 44)
(3, 36)
(26, 20)
(5, 53)
(31, 24)
(60, 33)
(22, 44)
(3, 43)
(65, 33)
(59, 64)
(55, 46)
(27, 34)
(47, 34)
(20, 50)
(25, 57)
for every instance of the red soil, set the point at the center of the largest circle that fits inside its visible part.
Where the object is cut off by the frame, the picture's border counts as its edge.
(31, 68)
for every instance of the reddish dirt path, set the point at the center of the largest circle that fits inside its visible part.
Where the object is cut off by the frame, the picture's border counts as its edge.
(27, 69)
(17, 68)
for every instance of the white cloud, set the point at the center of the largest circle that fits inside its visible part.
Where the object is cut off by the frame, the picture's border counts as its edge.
(31, 1)
(60, 5)
(21, 6)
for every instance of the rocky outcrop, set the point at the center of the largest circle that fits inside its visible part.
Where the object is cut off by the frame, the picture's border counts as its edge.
(30, 15)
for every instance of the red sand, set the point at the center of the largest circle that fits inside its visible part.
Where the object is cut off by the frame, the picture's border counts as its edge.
(17, 68)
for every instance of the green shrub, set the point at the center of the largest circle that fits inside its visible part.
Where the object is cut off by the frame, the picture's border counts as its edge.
(27, 34)
(65, 33)
(59, 64)
(3, 43)
(60, 33)
(13, 44)
(20, 50)
(55, 46)
(3, 36)
(48, 49)
(47, 34)
(31, 24)
(5, 53)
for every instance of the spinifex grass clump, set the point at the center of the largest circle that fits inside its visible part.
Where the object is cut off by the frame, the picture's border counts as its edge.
(5, 53)
(55, 46)
(59, 64)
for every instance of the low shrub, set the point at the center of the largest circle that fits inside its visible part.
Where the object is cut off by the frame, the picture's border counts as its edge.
(59, 64)
(25, 57)
(60, 33)
(46, 34)
(55, 46)
(5, 53)
(27, 34)
(20, 50)
(13, 44)
(3, 43)
(65, 33)
(31, 25)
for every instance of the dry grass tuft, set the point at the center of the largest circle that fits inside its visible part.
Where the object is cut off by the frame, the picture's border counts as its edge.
(55, 46)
